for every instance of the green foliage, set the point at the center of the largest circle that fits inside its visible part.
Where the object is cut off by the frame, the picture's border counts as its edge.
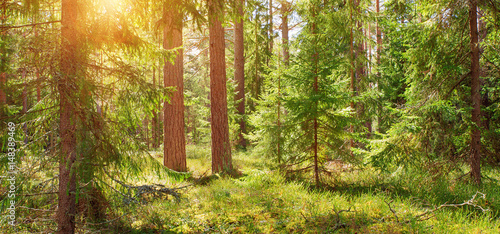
(264, 201)
(424, 77)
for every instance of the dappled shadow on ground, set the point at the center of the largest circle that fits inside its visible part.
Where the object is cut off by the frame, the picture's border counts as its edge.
(264, 202)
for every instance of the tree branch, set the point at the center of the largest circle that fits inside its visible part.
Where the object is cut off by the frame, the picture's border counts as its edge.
(29, 25)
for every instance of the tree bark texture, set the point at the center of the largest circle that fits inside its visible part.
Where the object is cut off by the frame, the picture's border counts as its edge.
(239, 70)
(68, 117)
(379, 33)
(174, 148)
(154, 120)
(284, 31)
(271, 42)
(352, 86)
(475, 157)
(221, 148)
(3, 95)
(316, 90)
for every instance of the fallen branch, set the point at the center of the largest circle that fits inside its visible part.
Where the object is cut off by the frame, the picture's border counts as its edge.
(430, 213)
(157, 190)
(392, 210)
(338, 224)
(307, 220)
(471, 202)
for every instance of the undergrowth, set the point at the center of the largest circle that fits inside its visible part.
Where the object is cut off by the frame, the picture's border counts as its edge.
(361, 200)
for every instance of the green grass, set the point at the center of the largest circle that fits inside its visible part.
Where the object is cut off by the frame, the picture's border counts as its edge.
(263, 201)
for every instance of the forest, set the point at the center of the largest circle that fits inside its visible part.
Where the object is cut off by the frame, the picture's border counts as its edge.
(250, 116)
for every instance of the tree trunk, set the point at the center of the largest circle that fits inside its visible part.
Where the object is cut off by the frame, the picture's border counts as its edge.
(379, 49)
(239, 70)
(161, 111)
(145, 131)
(38, 87)
(475, 158)
(25, 93)
(379, 34)
(221, 148)
(3, 95)
(38, 82)
(174, 148)
(353, 77)
(271, 42)
(25, 107)
(316, 90)
(154, 118)
(67, 126)
(284, 31)
(361, 72)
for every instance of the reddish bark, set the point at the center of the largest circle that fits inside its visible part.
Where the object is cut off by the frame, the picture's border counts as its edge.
(221, 148)
(379, 34)
(352, 86)
(174, 148)
(316, 90)
(284, 31)
(3, 83)
(239, 70)
(475, 158)
(271, 42)
(67, 126)
(154, 120)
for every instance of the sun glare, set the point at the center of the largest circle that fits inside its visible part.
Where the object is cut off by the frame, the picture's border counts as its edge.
(112, 5)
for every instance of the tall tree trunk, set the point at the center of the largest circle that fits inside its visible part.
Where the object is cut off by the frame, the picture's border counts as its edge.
(174, 148)
(3, 95)
(239, 70)
(145, 131)
(284, 31)
(271, 37)
(379, 34)
(368, 47)
(361, 72)
(278, 153)
(25, 93)
(25, 106)
(316, 90)
(38, 82)
(353, 75)
(38, 86)
(221, 148)
(475, 158)
(67, 126)
(256, 65)
(378, 51)
(160, 108)
(154, 120)
(485, 99)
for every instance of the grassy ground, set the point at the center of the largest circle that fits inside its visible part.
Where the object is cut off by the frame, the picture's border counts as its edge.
(359, 201)
(263, 201)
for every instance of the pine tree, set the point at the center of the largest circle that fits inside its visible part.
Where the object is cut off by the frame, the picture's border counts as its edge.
(70, 62)
(174, 137)
(239, 69)
(475, 158)
(285, 11)
(221, 147)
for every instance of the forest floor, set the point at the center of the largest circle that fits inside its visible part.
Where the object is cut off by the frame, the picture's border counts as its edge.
(262, 200)
(352, 201)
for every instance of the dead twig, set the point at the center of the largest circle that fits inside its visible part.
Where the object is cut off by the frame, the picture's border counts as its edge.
(392, 210)
(307, 220)
(471, 202)
(338, 224)
(156, 190)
